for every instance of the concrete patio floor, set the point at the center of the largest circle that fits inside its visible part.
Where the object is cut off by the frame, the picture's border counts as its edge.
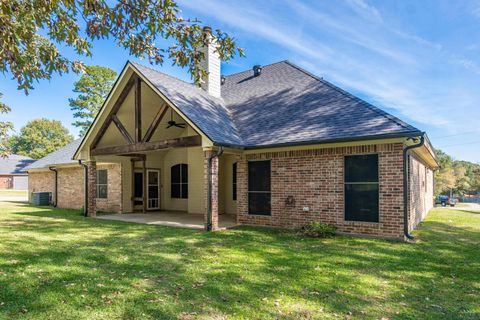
(170, 219)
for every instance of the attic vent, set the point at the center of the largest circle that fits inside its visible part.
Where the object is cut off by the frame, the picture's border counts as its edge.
(257, 70)
(222, 80)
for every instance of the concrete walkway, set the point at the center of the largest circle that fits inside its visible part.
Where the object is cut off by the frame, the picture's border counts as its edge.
(170, 219)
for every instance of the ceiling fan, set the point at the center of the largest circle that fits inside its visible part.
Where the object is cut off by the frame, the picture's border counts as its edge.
(173, 123)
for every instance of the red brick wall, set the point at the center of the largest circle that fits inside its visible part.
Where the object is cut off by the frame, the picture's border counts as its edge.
(420, 192)
(6, 182)
(40, 181)
(215, 186)
(314, 178)
(71, 187)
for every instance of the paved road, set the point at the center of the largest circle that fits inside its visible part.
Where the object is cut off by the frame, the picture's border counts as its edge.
(13, 198)
(471, 207)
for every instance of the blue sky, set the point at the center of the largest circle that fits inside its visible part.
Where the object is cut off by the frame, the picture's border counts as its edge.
(419, 60)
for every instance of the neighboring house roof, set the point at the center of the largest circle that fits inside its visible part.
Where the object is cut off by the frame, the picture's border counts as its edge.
(62, 156)
(284, 105)
(14, 164)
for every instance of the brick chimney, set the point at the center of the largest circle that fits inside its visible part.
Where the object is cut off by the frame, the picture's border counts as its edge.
(211, 63)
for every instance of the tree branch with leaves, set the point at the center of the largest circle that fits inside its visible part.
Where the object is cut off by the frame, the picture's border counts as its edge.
(31, 30)
(5, 128)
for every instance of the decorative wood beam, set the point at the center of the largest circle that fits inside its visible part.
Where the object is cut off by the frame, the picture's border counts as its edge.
(156, 121)
(122, 129)
(121, 98)
(134, 156)
(138, 111)
(190, 141)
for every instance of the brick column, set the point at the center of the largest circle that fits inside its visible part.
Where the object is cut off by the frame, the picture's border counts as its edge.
(214, 192)
(92, 189)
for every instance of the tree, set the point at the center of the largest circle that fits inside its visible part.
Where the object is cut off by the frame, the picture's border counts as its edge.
(461, 177)
(93, 87)
(40, 137)
(32, 30)
(5, 127)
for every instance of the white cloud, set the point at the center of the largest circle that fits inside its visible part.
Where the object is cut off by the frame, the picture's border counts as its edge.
(467, 64)
(366, 10)
(363, 53)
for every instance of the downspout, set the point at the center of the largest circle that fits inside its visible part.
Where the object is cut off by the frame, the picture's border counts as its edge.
(209, 190)
(406, 162)
(85, 188)
(55, 189)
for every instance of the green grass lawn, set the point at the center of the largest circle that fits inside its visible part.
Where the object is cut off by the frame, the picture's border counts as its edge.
(55, 264)
(9, 192)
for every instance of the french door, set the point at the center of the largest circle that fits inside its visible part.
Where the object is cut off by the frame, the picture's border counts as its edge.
(153, 189)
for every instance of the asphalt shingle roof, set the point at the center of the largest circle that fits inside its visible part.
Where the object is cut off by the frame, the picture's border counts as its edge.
(284, 105)
(60, 157)
(208, 113)
(14, 164)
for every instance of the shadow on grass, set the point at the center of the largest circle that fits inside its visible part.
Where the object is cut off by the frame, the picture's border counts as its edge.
(84, 267)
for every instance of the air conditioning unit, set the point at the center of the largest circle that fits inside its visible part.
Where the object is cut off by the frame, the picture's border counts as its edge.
(41, 198)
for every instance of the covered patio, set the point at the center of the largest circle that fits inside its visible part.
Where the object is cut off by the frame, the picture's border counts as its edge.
(172, 174)
(172, 219)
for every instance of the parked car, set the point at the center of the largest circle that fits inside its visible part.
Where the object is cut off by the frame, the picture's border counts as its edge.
(446, 200)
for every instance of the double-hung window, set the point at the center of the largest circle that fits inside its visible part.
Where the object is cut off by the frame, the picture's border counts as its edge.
(179, 181)
(259, 191)
(361, 188)
(102, 184)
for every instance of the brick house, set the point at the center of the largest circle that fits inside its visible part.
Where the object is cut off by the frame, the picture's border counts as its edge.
(12, 172)
(274, 146)
(63, 177)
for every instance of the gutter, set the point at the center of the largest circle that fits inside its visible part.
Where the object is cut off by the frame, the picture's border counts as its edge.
(85, 181)
(55, 189)
(327, 141)
(406, 162)
(209, 191)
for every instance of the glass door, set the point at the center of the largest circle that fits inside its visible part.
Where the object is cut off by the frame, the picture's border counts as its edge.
(138, 190)
(153, 184)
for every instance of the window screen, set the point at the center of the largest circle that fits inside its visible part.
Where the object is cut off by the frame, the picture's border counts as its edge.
(102, 184)
(259, 193)
(234, 181)
(361, 188)
(179, 181)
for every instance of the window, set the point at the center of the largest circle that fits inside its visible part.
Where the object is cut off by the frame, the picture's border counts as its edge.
(259, 196)
(361, 188)
(234, 181)
(179, 179)
(102, 184)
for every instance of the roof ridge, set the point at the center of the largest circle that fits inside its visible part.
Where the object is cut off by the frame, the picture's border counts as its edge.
(263, 66)
(203, 92)
(164, 73)
(360, 100)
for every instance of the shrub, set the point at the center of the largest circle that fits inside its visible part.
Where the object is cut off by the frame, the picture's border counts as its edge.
(318, 230)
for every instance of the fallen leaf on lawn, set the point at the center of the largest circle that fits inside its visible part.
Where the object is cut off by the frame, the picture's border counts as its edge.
(197, 285)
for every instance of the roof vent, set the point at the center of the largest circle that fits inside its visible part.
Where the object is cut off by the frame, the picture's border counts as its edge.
(257, 70)
(222, 80)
